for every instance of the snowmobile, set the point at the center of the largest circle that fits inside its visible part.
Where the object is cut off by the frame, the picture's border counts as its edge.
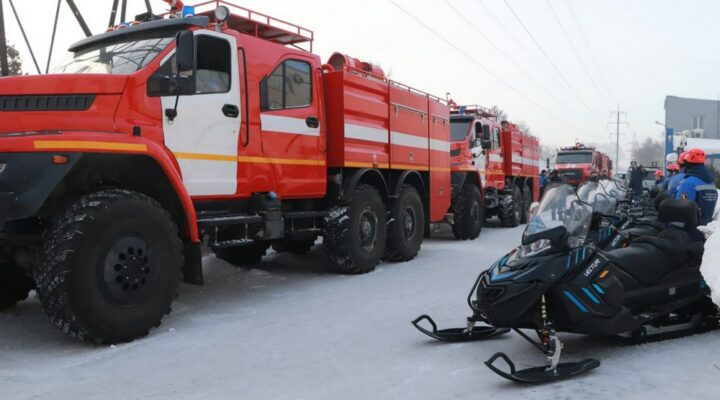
(557, 282)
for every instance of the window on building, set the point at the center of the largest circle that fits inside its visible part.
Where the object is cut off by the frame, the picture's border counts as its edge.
(289, 86)
(697, 122)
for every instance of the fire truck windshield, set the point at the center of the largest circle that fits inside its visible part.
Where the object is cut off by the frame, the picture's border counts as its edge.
(459, 129)
(115, 57)
(574, 158)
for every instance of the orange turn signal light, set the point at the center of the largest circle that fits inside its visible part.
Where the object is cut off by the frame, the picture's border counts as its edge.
(59, 159)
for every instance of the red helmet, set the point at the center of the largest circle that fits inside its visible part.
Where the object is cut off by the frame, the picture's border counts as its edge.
(673, 167)
(695, 156)
(681, 158)
(658, 173)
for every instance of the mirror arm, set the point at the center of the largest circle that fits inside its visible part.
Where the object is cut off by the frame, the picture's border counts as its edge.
(171, 113)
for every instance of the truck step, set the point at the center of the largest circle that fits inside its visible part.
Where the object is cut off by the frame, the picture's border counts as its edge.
(231, 243)
(241, 219)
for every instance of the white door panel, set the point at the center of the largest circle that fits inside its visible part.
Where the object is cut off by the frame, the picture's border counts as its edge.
(204, 140)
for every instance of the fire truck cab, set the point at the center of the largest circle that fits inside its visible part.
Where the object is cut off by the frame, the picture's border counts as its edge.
(497, 159)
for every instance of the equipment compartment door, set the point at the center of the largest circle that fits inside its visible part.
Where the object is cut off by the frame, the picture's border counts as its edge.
(204, 134)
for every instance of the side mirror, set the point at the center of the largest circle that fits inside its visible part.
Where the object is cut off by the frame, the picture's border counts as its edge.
(183, 81)
(485, 144)
(185, 51)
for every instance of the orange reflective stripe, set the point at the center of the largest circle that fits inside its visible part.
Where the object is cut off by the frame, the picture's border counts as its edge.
(88, 145)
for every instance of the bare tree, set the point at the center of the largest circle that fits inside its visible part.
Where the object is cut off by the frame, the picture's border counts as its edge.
(648, 151)
(501, 115)
(14, 62)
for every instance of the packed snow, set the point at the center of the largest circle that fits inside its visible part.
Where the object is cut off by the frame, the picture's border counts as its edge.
(285, 329)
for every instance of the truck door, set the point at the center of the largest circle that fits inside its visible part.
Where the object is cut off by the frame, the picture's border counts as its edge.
(204, 134)
(478, 154)
(290, 123)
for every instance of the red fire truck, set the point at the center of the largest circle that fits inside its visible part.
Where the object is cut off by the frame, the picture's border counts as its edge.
(214, 128)
(494, 170)
(578, 163)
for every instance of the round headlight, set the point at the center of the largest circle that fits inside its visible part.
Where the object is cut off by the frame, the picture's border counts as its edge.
(222, 14)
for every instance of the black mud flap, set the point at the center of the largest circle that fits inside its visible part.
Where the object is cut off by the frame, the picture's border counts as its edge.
(539, 375)
(458, 334)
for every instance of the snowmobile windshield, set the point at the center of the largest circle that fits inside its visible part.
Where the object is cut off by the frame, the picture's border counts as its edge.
(613, 189)
(561, 206)
(594, 194)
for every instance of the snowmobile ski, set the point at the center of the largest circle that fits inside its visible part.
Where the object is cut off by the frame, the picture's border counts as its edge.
(467, 334)
(539, 375)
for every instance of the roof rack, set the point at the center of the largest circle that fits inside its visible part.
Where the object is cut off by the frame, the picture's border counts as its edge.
(577, 146)
(259, 25)
(473, 109)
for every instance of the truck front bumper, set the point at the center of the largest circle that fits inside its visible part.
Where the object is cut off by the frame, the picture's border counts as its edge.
(27, 180)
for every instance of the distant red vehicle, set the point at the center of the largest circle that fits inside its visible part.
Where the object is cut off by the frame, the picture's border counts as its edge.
(494, 160)
(578, 163)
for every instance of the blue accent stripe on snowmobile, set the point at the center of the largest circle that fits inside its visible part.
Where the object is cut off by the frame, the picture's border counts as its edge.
(598, 288)
(591, 296)
(575, 301)
(577, 256)
(567, 266)
(584, 250)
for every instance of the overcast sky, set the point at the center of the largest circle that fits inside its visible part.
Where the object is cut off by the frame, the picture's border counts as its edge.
(632, 52)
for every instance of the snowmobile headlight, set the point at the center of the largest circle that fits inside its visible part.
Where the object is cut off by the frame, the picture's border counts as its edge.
(535, 247)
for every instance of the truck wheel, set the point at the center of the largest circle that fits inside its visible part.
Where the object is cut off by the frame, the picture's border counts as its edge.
(355, 234)
(406, 226)
(15, 285)
(242, 255)
(468, 213)
(297, 243)
(109, 266)
(526, 203)
(511, 210)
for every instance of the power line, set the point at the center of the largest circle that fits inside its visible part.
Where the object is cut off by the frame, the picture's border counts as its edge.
(577, 55)
(549, 60)
(507, 57)
(476, 62)
(617, 124)
(589, 50)
(510, 33)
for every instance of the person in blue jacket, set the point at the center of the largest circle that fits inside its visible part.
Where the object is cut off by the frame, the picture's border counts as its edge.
(674, 182)
(673, 169)
(698, 185)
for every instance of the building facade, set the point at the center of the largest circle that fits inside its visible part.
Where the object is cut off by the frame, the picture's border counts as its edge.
(682, 113)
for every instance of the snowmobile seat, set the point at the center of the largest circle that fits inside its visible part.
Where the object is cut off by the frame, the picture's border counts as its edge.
(652, 222)
(660, 198)
(649, 258)
(682, 211)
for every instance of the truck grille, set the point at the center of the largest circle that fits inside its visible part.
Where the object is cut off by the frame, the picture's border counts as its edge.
(79, 102)
(571, 174)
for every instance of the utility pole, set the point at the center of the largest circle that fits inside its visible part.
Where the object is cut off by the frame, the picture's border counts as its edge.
(617, 124)
(4, 70)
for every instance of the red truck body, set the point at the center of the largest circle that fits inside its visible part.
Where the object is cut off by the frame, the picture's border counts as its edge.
(219, 129)
(500, 158)
(578, 163)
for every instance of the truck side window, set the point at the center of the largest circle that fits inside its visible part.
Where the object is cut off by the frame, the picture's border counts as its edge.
(496, 138)
(486, 132)
(213, 65)
(288, 86)
(212, 73)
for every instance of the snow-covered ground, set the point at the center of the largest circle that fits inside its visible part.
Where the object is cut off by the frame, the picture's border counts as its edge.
(286, 330)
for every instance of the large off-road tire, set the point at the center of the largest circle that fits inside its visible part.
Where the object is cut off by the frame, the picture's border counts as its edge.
(239, 256)
(15, 285)
(510, 212)
(109, 266)
(355, 234)
(468, 213)
(406, 226)
(526, 203)
(299, 243)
